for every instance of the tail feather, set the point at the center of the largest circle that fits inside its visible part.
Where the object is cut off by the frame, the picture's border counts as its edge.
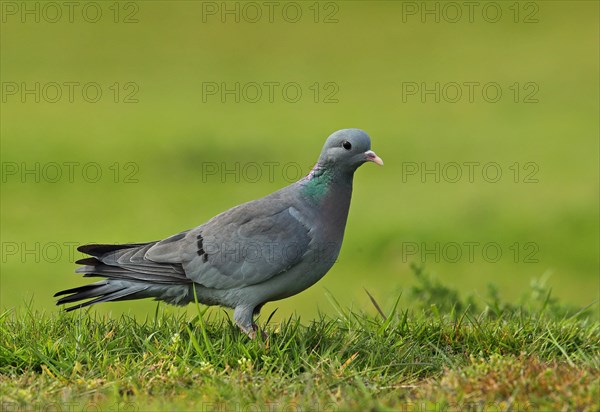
(128, 274)
(80, 290)
(99, 250)
(134, 260)
(92, 261)
(103, 291)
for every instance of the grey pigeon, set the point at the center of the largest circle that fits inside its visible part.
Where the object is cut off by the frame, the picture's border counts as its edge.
(260, 251)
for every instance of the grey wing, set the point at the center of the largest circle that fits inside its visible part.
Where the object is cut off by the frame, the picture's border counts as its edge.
(244, 246)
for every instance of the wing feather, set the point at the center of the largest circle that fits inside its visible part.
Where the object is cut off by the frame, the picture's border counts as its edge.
(243, 246)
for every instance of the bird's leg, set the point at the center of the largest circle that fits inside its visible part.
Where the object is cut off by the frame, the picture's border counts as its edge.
(243, 318)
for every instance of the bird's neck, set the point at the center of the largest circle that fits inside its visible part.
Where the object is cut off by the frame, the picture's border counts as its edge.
(324, 185)
(329, 191)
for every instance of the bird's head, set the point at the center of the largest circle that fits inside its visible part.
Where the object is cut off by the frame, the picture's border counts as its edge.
(347, 149)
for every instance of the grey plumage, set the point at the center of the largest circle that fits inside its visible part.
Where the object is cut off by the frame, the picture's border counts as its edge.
(264, 250)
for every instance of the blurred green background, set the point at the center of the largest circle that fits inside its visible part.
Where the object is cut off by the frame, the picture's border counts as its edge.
(362, 55)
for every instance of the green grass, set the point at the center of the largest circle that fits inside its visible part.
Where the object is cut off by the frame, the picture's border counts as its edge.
(536, 355)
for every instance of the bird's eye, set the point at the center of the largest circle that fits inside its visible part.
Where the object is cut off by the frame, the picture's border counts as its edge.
(347, 145)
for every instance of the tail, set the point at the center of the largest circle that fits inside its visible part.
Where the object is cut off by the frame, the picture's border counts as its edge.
(128, 275)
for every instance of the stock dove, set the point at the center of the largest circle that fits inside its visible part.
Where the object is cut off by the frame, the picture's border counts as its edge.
(260, 251)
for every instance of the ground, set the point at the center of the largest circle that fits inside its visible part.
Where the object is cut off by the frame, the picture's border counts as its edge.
(534, 356)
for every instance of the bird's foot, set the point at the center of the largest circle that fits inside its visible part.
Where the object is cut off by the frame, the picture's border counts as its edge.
(243, 318)
(253, 331)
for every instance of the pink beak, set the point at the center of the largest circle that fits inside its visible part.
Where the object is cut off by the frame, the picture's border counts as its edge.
(372, 157)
